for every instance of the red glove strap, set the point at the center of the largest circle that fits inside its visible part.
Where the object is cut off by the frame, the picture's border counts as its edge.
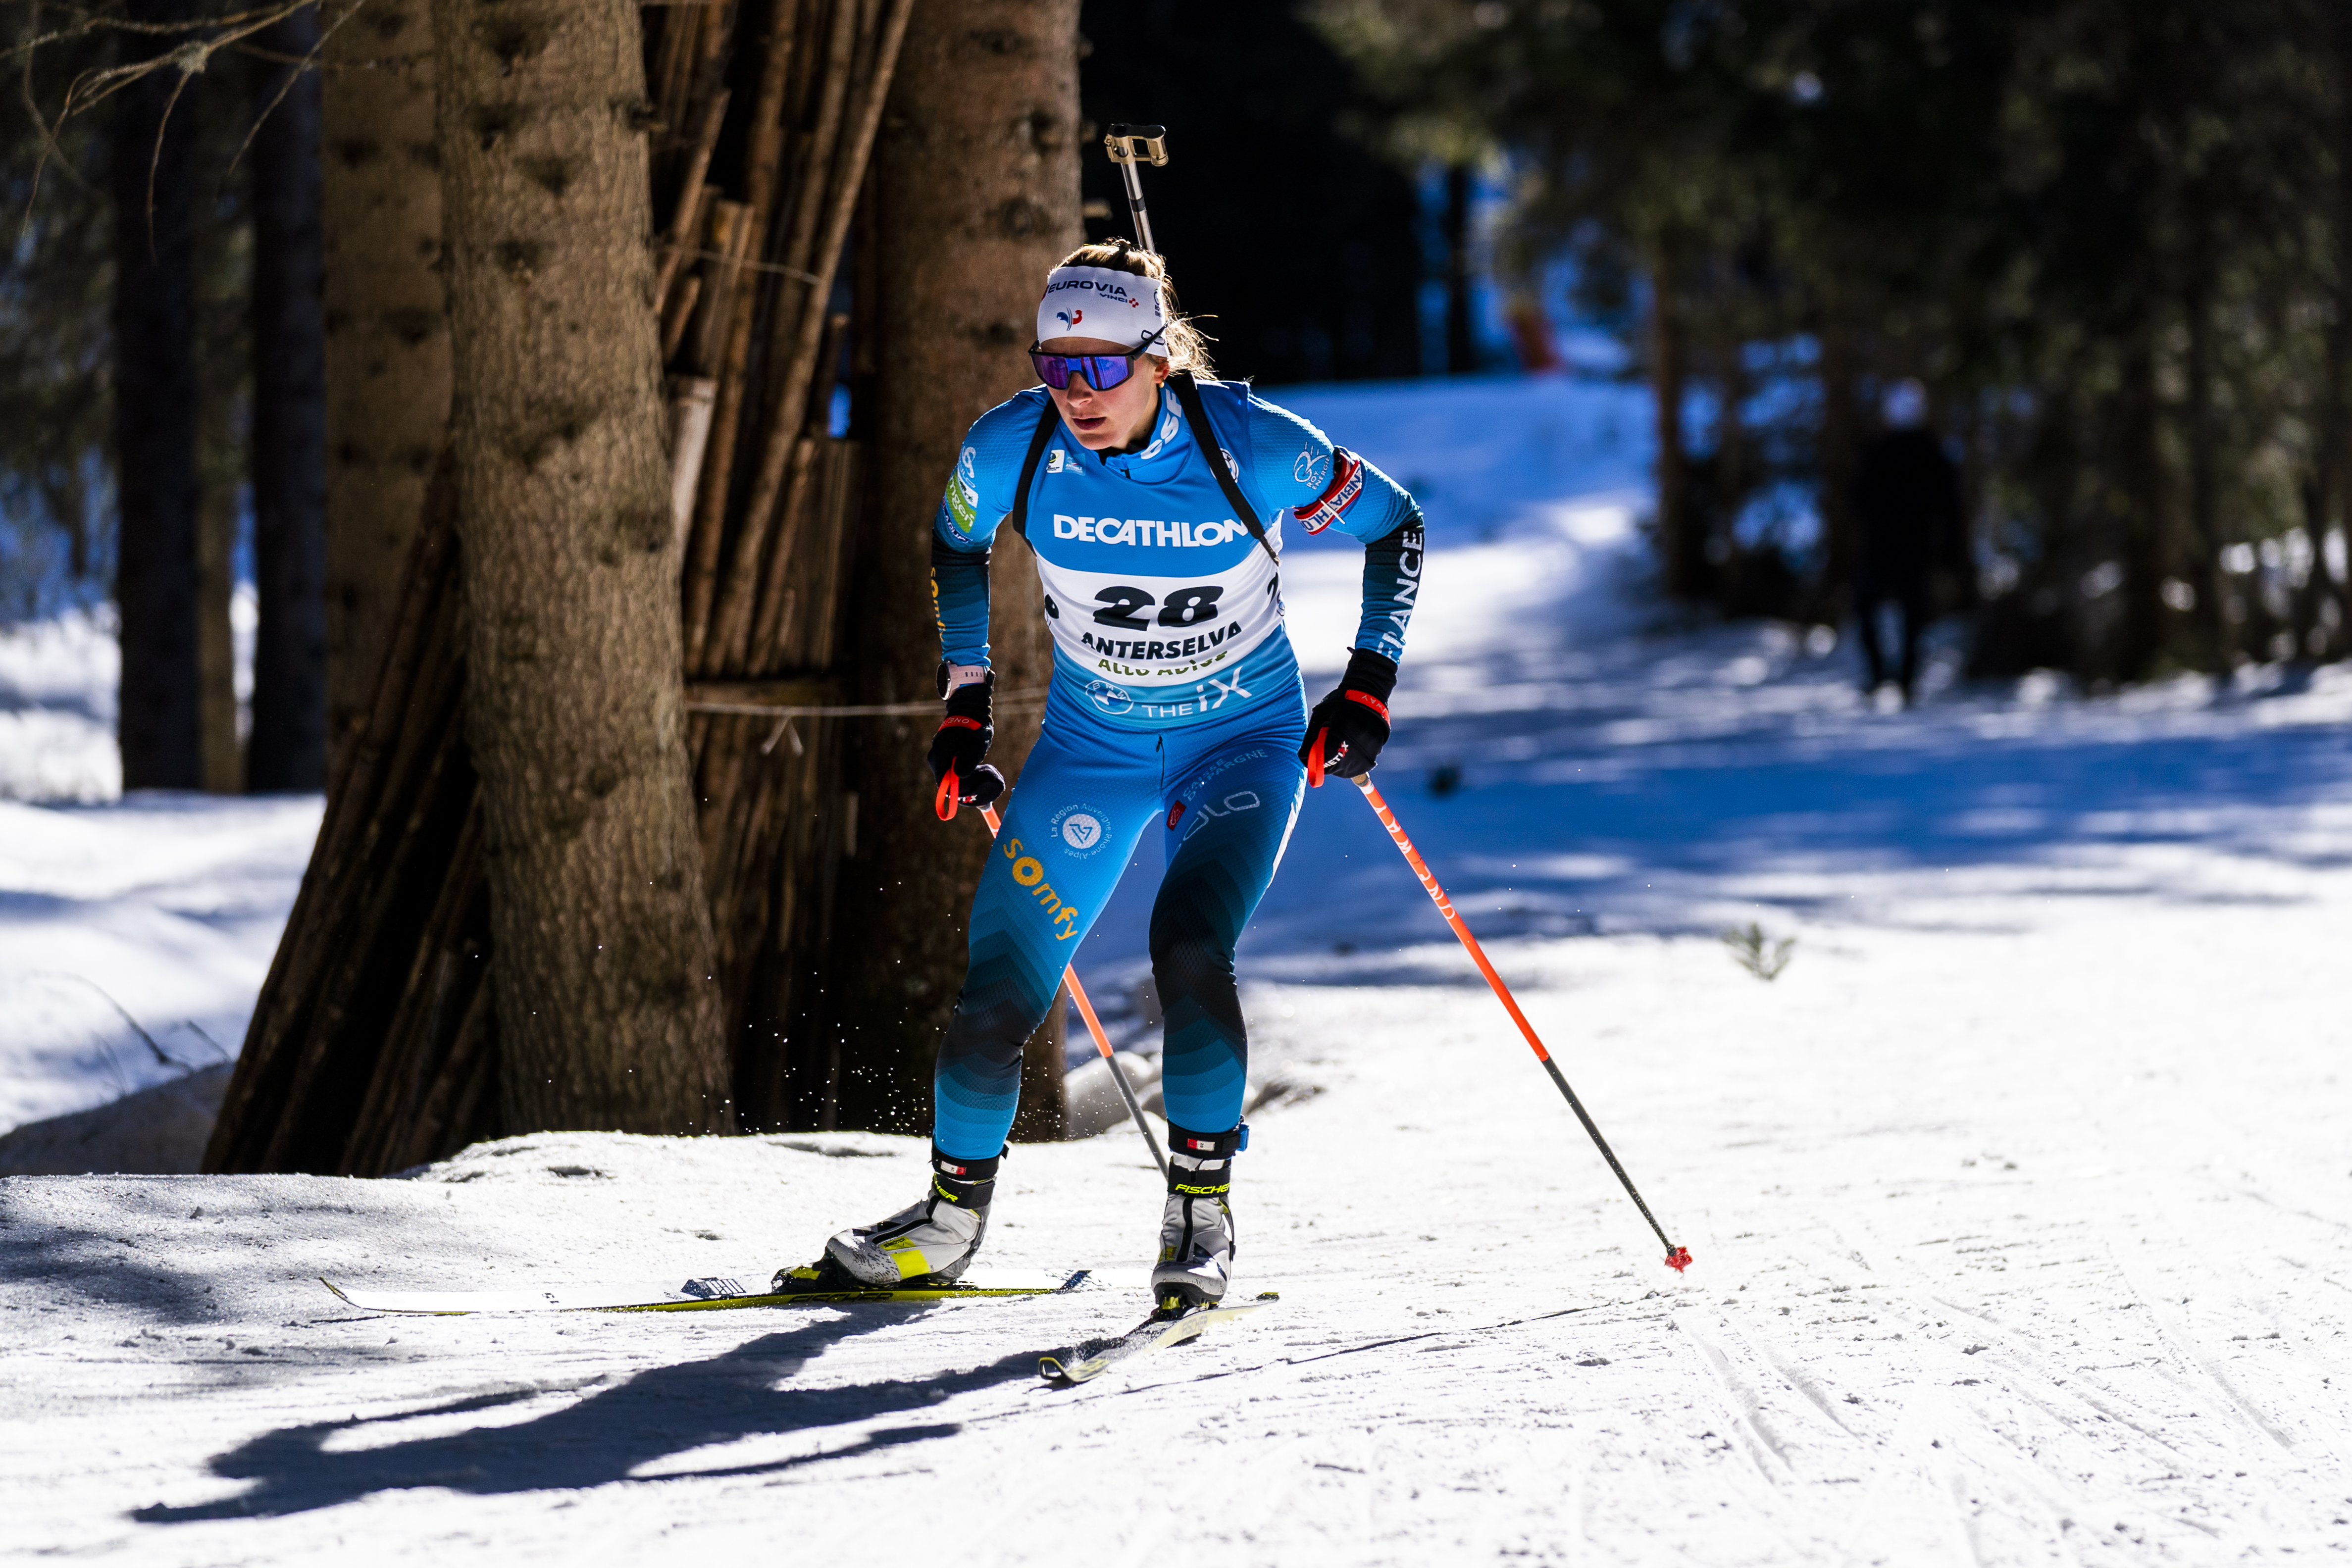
(1371, 702)
(957, 721)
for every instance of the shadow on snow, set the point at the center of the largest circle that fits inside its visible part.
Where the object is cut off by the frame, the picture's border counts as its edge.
(603, 1439)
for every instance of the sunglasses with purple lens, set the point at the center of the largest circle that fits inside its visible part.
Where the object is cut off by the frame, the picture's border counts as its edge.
(1102, 371)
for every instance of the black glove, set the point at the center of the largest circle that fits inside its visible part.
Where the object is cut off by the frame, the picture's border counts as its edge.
(960, 744)
(1352, 724)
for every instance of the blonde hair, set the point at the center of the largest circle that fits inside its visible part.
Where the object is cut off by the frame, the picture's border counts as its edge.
(1184, 348)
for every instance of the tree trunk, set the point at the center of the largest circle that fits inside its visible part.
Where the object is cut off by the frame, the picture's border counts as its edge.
(1681, 560)
(978, 196)
(608, 1015)
(224, 760)
(2209, 583)
(1968, 428)
(160, 722)
(2140, 635)
(1461, 331)
(1712, 539)
(1840, 448)
(286, 748)
(2335, 403)
(2331, 481)
(387, 342)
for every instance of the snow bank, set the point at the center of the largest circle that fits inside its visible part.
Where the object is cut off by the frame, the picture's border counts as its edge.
(134, 938)
(58, 689)
(1520, 479)
(57, 708)
(161, 1130)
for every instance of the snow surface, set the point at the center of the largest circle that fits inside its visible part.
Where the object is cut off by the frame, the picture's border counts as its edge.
(57, 683)
(57, 708)
(2022, 1201)
(161, 910)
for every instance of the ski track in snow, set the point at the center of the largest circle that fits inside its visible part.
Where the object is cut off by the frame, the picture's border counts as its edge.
(2022, 1202)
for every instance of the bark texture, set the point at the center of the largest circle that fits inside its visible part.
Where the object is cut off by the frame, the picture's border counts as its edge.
(286, 748)
(160, 722)
(608, 1015)
(977, 172)
(387, 342)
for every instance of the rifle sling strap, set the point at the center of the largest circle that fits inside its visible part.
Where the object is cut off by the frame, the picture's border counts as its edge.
(1205, 436)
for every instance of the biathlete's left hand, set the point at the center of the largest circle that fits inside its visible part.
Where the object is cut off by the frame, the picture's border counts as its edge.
(963, 739)
(1352, 724)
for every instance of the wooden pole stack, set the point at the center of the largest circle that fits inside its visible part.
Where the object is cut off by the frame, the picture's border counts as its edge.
(374, 1046)
(767, 545)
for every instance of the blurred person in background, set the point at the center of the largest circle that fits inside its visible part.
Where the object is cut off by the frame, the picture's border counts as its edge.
(1906, 506)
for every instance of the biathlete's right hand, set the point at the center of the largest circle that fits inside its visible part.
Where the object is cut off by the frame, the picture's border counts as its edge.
(959, 748)
(1348, 728)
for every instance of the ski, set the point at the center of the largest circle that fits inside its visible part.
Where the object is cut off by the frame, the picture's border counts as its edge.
(1086, 1362)
(694, 1296)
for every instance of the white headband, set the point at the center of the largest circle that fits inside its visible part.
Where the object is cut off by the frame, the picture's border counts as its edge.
(1101, 302)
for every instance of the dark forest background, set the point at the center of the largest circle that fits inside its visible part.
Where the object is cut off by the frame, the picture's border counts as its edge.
(2110, 237)
(1301, 244)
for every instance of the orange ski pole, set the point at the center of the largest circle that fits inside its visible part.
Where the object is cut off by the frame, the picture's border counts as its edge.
(1677, 1258)
(1077, 995)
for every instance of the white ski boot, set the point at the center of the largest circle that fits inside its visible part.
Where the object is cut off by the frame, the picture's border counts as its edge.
(1196, 1228)
(932, 1242)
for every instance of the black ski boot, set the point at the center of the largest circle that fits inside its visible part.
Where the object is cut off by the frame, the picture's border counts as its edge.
(930, 1242)
(1196, 1229)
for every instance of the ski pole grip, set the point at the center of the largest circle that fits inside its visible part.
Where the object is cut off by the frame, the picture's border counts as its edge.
(1315, 761)
(944, 802)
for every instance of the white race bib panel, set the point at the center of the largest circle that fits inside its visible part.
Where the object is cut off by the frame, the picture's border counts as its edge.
(1154, 602)
(1155, 592)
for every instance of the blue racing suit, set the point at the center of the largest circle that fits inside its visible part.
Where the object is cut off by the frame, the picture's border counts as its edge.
(1175, 698)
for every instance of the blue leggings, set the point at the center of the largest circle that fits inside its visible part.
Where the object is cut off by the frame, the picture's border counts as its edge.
(1226, 792)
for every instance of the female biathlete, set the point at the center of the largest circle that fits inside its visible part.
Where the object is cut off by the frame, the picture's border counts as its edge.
(1155, 500)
